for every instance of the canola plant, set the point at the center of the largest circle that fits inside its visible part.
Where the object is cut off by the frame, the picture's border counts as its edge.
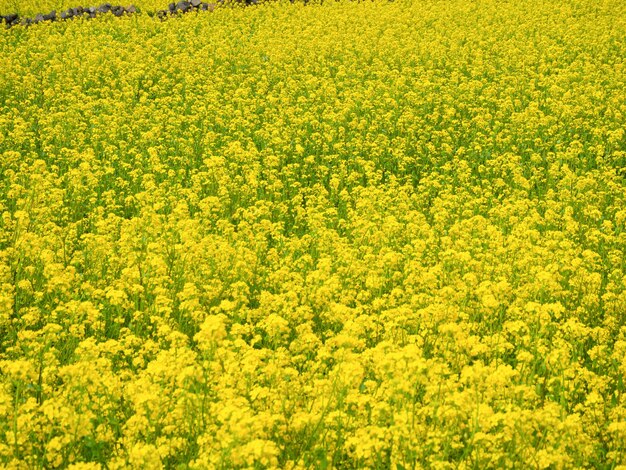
(340, 235)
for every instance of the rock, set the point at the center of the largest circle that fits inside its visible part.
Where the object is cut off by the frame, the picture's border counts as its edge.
(67, 14)
(38, 18)
(11, 18)
(183, 6)
(131, 9)
(195, 3)
(171, 7)
(104, 8)
(117, 10)
(26, 22)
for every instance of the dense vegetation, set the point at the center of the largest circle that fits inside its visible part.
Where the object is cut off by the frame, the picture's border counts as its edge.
(348, 235)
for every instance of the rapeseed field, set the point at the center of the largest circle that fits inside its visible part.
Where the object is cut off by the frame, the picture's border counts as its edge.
(344, 235)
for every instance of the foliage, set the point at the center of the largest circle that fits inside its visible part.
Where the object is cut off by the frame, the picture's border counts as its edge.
(348, 235)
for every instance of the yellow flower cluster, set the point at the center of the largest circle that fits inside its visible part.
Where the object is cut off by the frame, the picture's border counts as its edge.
(30, 8)
(347, 235)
